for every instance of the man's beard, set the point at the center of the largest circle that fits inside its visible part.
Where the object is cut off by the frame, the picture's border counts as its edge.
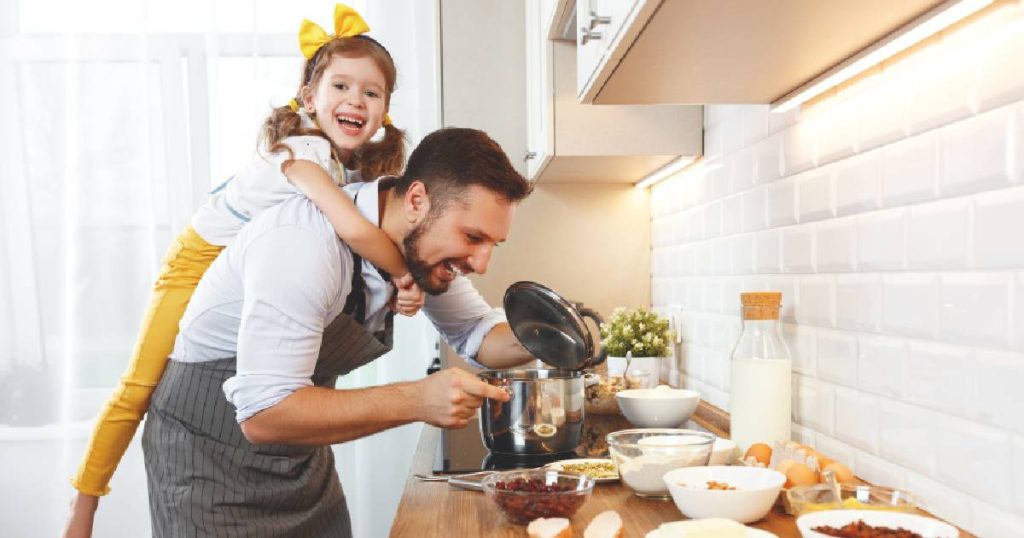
(418, 268)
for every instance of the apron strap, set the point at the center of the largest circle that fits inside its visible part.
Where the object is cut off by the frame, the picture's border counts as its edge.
(355, 304)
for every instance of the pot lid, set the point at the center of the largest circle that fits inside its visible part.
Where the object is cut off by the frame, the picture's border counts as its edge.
(549, 327)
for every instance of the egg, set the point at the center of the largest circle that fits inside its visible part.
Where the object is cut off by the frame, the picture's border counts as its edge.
(843, 473)
(784, 466)
(823, 462)
(799, 474)
(760, 452)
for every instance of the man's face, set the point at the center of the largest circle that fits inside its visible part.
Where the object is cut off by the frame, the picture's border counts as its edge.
(458, 238)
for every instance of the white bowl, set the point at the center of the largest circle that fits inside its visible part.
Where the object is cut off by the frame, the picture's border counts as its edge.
(663, 407)
(722, 452)
(925, 526)
(755, 493)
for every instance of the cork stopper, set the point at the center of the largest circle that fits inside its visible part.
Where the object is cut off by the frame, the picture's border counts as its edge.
(761, 305)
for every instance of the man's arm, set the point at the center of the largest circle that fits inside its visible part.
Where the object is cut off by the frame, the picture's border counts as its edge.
(321, 416)
(501, 349)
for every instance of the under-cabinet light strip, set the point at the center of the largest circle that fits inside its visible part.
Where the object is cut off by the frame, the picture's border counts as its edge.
(926, 25)
(666, 171)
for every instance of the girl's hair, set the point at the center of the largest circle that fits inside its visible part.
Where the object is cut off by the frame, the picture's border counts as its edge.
(372, 159)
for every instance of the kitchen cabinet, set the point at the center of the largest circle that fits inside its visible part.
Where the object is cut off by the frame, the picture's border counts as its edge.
(572, 142)
(721, 51)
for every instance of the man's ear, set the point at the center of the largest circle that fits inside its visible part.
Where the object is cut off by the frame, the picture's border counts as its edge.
(416, 203)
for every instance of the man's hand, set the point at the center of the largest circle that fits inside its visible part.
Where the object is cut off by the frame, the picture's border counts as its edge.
(83, 509)
(452, 396)
(409, 297)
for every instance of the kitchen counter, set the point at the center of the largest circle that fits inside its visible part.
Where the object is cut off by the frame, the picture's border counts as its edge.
(437, 509)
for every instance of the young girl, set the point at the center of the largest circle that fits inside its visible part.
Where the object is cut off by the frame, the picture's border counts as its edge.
(345, 91)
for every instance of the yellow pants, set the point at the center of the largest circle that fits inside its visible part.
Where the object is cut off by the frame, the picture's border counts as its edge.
(183, 265)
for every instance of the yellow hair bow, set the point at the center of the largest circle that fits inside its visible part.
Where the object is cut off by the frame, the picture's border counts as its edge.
(347, 23)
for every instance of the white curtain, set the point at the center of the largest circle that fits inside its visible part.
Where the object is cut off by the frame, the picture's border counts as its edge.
(118, 117)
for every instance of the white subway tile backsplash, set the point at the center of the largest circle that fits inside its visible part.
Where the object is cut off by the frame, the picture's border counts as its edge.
(787, 285)
(881, 113)
(799, 148)
(940, 499)
(939, 234)
(814, 404)
(987, 520)
(881, 240)
(754, 120)
(798, 249)
(904, 315)
(879, 472)
(837, 357)
(908, 435)
(975, 153)
(859, 183)
(767, 251)
(767, 155)
(910, 304)
(741, 249)
(754, 209)
(713, 220)
(1017, 466)
(881, 366)
(815, 195)
(781, 203)
(836, 245)
(816, 305)
(802, 435)
(995, 396)
(998, 219)
(975, 308)
(1018, 312)
(858, 302)
(940, 87)
(1017, 163)
(732, 214)
(801, 341)
(741, 170)
(973, 459)
(910, 170)
(836, 128)
(936, 375)
(722, 264)
(857, 419)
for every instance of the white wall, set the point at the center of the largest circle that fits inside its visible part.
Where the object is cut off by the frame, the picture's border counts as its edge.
(890, 215)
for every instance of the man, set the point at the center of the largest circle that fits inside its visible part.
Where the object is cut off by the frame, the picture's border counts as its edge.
(236, 440)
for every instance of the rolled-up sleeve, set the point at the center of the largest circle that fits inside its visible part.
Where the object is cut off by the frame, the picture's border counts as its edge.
(463, 317)
(288, 278)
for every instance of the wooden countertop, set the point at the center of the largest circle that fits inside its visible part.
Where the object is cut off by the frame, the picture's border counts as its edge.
(430, 509)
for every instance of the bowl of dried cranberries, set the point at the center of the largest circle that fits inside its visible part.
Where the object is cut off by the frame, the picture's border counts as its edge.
(527, 495)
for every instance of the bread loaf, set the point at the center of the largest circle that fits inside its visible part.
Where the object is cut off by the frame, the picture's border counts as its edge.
(607, 524)
(553, 527)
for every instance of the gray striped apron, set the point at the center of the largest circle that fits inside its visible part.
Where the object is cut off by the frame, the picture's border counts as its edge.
(206, 479)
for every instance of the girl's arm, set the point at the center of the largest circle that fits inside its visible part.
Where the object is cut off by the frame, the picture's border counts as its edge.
(366, 239)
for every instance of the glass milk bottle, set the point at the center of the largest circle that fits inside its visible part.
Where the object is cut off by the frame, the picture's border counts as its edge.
(761, 375)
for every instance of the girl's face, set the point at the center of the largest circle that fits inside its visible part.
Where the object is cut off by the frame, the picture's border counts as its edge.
(348, 102)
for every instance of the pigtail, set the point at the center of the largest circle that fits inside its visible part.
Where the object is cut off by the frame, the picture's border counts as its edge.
(384, 158)
(280, 124)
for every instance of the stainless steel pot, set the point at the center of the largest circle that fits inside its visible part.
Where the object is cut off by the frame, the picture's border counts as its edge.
(543, 416)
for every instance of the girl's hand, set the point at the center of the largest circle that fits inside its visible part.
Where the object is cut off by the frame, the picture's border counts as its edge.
(409, 297)
(80, 520)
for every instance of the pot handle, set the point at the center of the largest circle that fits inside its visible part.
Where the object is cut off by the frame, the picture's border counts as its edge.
(592, 314)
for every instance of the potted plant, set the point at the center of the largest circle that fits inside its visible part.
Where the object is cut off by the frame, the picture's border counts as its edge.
(637, 341)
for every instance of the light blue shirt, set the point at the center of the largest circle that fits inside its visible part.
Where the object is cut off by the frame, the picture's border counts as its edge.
(271, 293)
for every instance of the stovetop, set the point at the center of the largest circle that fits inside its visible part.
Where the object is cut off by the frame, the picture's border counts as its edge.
(463, 451)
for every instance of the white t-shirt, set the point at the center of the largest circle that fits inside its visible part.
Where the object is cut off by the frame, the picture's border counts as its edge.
(262, 185)
(269, 296)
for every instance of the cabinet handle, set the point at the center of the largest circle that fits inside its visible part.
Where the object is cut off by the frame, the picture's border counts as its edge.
(597, 20)
(587, 36)
(530, 155)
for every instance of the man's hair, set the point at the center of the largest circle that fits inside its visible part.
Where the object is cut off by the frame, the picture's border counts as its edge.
(450, 160)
